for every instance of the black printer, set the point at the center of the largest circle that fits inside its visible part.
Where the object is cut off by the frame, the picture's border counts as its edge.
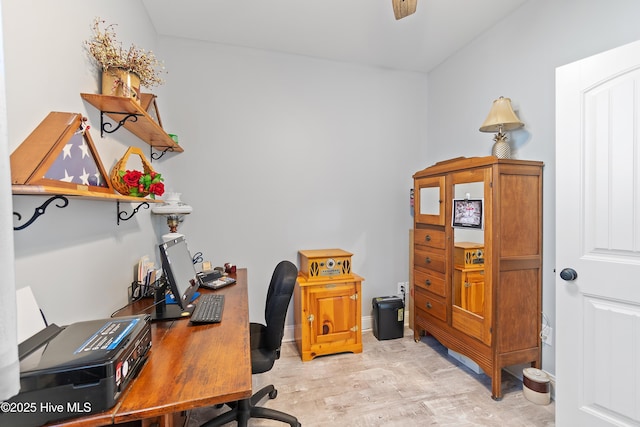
(77, 370)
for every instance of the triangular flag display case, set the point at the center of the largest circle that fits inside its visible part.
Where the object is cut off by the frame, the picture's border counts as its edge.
(59, 159)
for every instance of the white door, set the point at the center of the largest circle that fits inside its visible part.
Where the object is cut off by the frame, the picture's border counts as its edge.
(598, 237)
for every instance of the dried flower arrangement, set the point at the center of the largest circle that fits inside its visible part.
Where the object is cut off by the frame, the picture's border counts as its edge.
(109, 54)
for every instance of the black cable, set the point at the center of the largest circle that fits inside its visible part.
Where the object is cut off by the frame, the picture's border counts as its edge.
(154, 285)
(44, 318)
(120, 309)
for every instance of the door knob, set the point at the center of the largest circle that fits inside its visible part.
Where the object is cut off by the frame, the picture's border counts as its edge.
(568, 274)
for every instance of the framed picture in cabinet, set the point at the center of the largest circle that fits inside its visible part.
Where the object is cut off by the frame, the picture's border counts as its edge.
(467, 213)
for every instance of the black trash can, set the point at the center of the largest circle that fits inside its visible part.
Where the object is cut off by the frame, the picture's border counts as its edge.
(388, 318)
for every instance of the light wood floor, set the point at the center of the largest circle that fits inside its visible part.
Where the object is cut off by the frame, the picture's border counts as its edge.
(391, 383)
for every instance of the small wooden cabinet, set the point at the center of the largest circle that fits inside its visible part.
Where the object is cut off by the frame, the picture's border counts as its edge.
(328, 316)
(477, 288)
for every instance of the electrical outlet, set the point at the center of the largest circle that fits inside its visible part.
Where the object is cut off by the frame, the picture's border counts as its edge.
(402, 288)
(547, 335)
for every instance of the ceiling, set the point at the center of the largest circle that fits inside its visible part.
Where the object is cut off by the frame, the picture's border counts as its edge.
(357, 31)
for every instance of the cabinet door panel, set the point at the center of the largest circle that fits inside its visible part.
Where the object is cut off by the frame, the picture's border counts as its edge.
(333, 311)
(334, 320)
(429, 200)
(469, 323)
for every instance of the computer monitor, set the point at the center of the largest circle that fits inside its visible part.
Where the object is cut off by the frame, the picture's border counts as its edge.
(181, 277)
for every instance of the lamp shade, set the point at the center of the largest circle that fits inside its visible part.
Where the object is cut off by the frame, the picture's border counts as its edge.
(501, 117)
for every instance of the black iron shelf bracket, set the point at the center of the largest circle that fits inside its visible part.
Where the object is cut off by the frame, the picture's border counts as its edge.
(40, 210)
(123, 216)
(158, 156)
(105, 127)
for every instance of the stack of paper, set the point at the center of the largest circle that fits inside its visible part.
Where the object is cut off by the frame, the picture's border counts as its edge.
(145, 274)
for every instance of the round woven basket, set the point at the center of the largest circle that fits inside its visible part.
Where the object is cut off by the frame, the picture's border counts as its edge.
(117, 182)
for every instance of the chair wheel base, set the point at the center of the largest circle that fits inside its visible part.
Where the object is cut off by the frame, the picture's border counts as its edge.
(242, 410)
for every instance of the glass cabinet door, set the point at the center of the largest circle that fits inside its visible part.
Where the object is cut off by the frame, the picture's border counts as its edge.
(429, 200)
(470, 280)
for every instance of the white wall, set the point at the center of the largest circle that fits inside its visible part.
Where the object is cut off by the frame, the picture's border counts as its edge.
(76, 259)
(517, 59)
(281, 153)
(284, 153)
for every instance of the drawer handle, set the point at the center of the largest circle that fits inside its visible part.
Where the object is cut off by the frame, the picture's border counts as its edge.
(427, 260)
(427, 282)
(428, 238)
(428, 304)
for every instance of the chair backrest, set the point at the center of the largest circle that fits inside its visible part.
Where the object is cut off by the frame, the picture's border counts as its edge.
(278, 297)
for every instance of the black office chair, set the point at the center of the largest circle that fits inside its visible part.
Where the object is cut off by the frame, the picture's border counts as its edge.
(265, 349)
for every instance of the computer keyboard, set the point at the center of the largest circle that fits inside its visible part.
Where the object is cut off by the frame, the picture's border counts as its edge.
(208, 309)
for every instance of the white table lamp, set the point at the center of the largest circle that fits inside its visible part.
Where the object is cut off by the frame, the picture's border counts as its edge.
(501, 118)
(174, 210)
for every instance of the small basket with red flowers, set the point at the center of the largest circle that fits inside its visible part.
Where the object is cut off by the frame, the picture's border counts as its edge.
(131, 182)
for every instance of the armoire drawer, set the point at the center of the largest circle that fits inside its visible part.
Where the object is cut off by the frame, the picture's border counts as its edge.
(429, 237)
(431, 281)
(430, 259)
(431, 305)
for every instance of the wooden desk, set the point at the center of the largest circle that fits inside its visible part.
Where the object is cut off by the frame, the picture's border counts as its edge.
(189, 366)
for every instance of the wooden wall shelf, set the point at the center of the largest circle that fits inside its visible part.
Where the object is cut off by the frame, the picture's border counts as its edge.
(133, 117)
(60, 195)
(44, 190)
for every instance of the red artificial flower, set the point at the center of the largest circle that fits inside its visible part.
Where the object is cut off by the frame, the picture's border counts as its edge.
(157, 188)
(141, 184)
(132, 178)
